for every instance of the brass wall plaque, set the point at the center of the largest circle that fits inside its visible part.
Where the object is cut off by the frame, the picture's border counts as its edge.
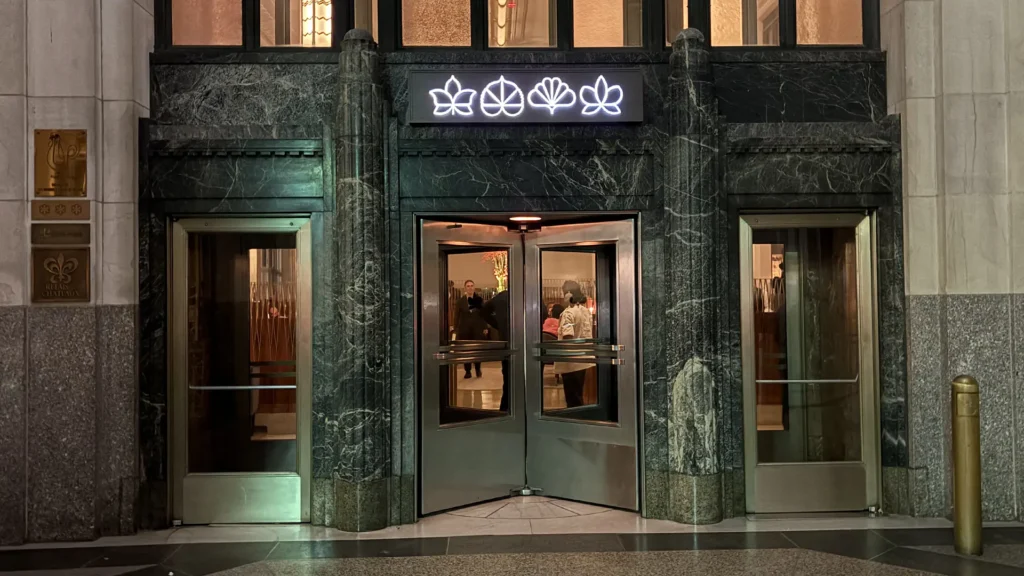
(60, 209)
(60, 234)
(60, 275)
(60, 163)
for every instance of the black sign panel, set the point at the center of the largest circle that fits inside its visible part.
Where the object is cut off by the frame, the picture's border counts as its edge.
(526, 96)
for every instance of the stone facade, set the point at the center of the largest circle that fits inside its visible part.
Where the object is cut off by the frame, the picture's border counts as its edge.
(956, 76)
(68, 374)
(722, 132)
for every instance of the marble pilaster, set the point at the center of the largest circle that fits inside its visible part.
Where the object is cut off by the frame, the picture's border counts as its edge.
(691, 295)
(360, 475)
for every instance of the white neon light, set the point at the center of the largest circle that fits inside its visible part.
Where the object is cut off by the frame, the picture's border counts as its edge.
(601, 98)
(453, 99)
(508, 99)
(552, 94)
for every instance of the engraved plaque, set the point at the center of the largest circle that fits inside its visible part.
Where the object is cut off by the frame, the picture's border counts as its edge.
(60, 275)
(60, 234)
(60, 209)
(60, 163)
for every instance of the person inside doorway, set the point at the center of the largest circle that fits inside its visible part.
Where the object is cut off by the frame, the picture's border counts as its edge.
(550, 326)
(496, 314)
(575, 322)
(469, 321)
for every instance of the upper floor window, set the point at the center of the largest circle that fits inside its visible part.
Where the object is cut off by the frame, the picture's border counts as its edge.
(206, 22)
(265, 23)
(296, 23)
(516, 24)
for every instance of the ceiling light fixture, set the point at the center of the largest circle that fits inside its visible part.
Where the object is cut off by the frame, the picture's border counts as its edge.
(525, 218)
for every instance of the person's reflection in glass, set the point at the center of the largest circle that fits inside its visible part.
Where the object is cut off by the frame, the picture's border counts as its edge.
(495, 312)
(575, 322)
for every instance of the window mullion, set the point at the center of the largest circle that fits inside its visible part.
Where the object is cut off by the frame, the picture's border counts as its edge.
(699, 17)
(250, 24)
(563, 24)
(388, 16)
(787, 23)
(870, 18)
(653, 14)
(478, 18)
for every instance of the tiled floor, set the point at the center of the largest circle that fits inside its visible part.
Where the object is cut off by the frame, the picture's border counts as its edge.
(525, 536)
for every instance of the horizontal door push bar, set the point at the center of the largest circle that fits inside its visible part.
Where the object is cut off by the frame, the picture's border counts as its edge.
(525, 96)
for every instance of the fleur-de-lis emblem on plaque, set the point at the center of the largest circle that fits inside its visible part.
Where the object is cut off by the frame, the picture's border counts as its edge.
(601, 98)
(552, 94)
(60, 269)
(453, 99)
(502, 97)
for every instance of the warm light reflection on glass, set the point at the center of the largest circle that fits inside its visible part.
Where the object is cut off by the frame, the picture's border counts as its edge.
(206, 22)
(606, 23)
(745, 23)
(829, 22)
(435, 23)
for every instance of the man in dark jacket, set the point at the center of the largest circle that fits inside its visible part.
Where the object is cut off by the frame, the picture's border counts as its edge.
(495, 312)
(469, 323)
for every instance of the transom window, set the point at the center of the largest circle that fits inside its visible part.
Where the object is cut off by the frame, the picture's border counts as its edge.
(513, 24)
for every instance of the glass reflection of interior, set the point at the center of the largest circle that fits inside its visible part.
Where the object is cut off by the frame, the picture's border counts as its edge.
(829, 22)
(305, 23)
(577, 303)
(436, 23)
(521, 23)
(206, 22)
(477, 318)
(806, 345)
(677, 18)
(241, 352)
(607, 23)
(745, 22)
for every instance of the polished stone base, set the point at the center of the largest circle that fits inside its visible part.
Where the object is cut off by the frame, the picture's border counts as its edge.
(695, 499)
(68, 423)
(895, 493)
(360, 507)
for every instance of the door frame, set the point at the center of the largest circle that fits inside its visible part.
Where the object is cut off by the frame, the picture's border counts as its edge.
(501, 218)
(867, 306)
(210, 494)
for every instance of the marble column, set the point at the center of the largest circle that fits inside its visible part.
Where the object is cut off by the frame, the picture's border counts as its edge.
(693, 299)
(358, 485)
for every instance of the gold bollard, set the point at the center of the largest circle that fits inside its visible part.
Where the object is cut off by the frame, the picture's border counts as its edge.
(966, 466)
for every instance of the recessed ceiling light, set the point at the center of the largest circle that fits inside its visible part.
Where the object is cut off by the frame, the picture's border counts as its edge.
(525, 218)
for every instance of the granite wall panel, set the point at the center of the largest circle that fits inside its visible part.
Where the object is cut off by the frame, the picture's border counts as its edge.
(795, 87)
(237, 177)
(61, 423)
(117, 462)
(979, 343)
(1017, 342)
(12, 424)
(928, 406)
(242, 94)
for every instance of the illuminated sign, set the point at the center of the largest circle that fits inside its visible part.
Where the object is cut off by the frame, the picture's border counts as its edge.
(530, 96)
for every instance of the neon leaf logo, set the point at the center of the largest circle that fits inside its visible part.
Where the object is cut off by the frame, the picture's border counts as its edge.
(453, 99)
(502, 97)
(601, 98)
(552, 94)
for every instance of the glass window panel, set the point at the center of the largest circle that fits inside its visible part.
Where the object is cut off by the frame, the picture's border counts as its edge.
(295, 23)
(829, 22)
(807, 356)
(606, 23)
(677, 18)
(745, 22)
(436, 23)
(577, 304)
(477, 313)
(366, 16)
(521, 23)
(206, 22)
(241, 335)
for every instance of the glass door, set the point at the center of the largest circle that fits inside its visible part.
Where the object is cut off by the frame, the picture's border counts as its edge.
(809, 340)
(472, 426)
(240, 368)
(581, 397)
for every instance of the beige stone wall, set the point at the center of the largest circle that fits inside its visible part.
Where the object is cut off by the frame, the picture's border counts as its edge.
(956, 77)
